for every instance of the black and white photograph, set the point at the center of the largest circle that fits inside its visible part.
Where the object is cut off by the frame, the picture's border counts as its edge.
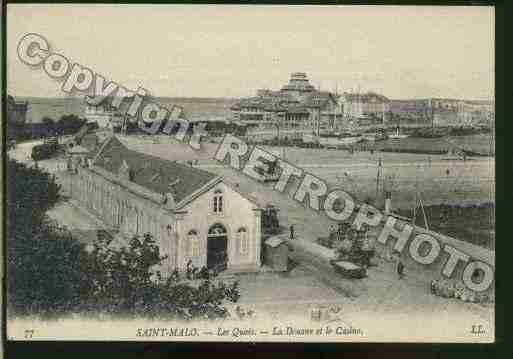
(250, 173)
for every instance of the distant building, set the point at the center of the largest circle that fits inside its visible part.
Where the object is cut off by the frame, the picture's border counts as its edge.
(16, 116)
(442, 111)
(478, 112)
(365, 108)
(447, 112)
(295, 109)
(16, 111)
(192, 214)
(411, 111)
(105, 115)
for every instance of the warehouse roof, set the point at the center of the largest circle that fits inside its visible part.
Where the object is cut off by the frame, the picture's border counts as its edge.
(156, 174)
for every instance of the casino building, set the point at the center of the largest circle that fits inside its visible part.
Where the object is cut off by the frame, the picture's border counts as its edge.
(296, 109)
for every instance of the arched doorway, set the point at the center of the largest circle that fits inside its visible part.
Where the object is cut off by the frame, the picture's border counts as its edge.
(217, 244)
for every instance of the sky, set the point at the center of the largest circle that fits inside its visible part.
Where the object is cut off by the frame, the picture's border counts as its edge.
(231, 51)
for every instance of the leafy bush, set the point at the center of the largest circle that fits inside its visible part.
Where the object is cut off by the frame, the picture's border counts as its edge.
(125, 283)
(43, 151)
(69, 124)
(30, 193)
(43, 266)
(46, 274)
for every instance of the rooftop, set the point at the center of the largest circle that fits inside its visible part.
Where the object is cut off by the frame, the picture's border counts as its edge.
(156, 174)
(298, 82)
(273, 102)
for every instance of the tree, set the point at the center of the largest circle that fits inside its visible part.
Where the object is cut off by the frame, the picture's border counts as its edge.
(49, 124)
(45, 273)
(30, 193)
(125, 282)
(69, 124)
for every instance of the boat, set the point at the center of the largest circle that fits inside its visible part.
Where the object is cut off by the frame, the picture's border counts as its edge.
(350, 140)
(334, 142)
(374, 136)
(455, 152)
(397, 135)
(457, 155)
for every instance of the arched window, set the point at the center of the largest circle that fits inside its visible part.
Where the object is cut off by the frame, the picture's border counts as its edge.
(242, 239)
(217, 230)
(193, 244)
(218, 201)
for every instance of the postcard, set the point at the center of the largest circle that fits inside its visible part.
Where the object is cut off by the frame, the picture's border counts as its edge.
(250, 173)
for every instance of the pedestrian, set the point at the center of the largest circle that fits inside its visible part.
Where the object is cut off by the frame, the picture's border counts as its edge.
(291, 231)
(189, 270)
(332, 233)
(400, 267)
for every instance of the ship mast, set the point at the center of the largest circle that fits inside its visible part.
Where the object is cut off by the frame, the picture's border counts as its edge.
(378, 175)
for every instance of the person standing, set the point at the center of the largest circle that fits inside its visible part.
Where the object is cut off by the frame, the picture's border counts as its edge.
(291, 231)
(332, 235)
(399, 266)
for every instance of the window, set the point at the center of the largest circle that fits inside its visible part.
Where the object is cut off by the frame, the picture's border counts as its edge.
(218, 201)
(217, 230)
(242, 238)
(193, 244)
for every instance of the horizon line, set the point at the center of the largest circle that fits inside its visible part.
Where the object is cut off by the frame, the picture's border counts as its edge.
(79, 97)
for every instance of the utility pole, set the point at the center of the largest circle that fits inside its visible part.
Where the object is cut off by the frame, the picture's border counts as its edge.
(418, 203)
(432, 114)
(378, 175)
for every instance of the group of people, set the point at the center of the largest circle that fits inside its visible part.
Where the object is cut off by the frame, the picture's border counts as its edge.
(193, 272)
(358, 239)
(339, 233)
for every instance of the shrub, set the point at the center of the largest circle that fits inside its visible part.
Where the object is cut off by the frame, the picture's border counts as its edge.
(43, 151)
(125, 283)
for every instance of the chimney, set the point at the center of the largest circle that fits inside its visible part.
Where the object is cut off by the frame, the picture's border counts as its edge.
(388, 202)
(169, 201)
